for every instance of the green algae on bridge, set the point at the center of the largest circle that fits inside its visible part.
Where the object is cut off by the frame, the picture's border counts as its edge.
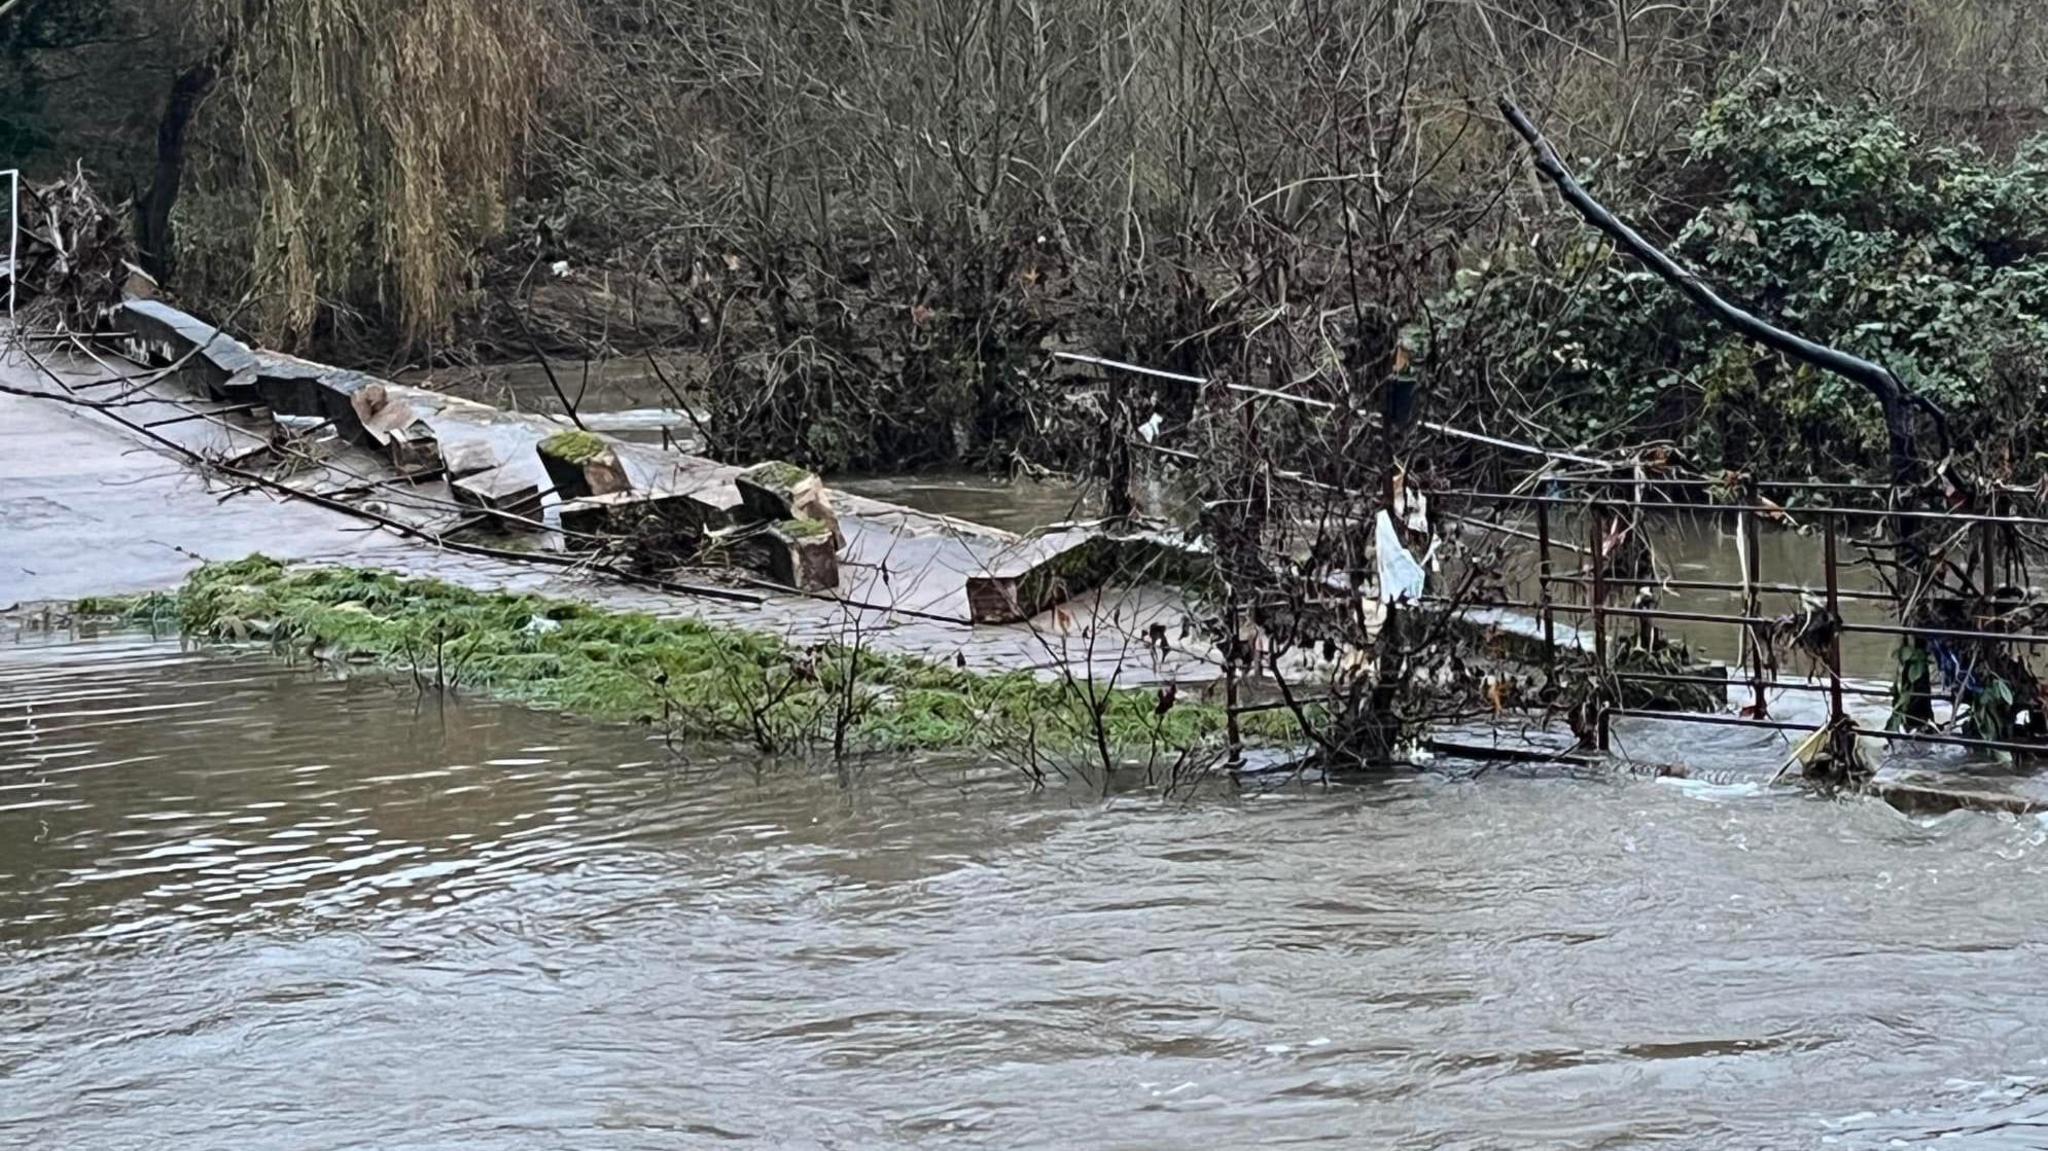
(698, 681)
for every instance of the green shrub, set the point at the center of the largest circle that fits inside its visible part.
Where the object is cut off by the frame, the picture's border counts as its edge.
(1828, 219)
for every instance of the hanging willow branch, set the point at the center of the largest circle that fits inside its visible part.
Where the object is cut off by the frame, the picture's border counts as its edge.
(1898, 400)
(374, 143)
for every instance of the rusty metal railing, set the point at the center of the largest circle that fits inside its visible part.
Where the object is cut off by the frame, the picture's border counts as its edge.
(1597, 581)
(1614, 481)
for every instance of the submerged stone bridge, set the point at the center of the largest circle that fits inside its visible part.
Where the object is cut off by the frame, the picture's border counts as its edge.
(99, 507)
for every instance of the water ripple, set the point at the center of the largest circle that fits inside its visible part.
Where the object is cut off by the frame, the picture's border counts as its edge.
(247, 904)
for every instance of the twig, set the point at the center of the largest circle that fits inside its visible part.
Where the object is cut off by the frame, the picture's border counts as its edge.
(548, 369)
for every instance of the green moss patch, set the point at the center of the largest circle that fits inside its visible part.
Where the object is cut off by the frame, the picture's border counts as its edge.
(802, 530)
(700, 682)
(574, 447)
(776, 475)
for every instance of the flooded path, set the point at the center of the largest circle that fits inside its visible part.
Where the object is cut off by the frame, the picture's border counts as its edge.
(93, 511)
(242, 905)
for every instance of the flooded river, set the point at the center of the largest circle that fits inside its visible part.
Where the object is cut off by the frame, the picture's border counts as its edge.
(246, 906)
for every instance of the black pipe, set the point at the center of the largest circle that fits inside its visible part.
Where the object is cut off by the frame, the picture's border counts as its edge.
(1898, 400)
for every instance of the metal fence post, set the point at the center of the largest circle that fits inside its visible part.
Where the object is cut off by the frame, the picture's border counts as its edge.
(1752, 655)
(1987, 545)
(1595, 547)
(1543, 584)
(1837, 714)
(1233, 730)
(1118, 467)
(13, 241)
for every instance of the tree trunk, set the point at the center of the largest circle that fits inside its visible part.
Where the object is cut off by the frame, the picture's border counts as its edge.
(153, 211)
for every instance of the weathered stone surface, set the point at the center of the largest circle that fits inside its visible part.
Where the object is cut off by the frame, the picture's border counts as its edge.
(620, 513)
(499, 490)
(78, 484)
(654, 531)
(239, 388)
(163, 335)
(289, 386)
(582, 464)
(337, 392)
(507, 461)
(414, 451)
(592, 516)
(774, 491)
(710, 483)
(795, 553)
(1050, 569)
(1923, 794)
(467, 457)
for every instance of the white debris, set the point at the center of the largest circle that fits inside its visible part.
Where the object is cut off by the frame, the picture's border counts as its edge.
(1400, 576)
(1414, 511)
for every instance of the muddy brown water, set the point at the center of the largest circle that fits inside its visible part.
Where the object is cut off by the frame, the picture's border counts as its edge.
(1020, 505)
(247, 905)
(1707, 551)
(593, 386)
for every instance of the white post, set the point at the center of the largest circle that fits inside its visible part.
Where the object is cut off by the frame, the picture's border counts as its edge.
(13, 241)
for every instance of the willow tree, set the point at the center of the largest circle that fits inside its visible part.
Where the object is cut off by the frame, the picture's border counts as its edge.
(350, 158)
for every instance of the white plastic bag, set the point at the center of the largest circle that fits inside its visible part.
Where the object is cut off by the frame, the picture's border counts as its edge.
(1400, 576)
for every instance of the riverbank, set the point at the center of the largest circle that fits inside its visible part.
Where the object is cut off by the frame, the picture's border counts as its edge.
(690, 679)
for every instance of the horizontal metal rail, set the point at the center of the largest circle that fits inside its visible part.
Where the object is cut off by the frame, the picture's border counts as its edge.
(1182, 378)
(1767, 511)
(1721, 585)
(1517, 533)
(1942, 737)
(1652, 613)
(1747, 620)
(1175, 453)
(1276, 473)
(1732, 682)
(1709, 719)
(1622, 477)
(2023, 637)
(1927, 737)
(1283, 704)
(1703, 482)
(1625, 612)
(1778, 485)
(1121, 366)
(1529, 449)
